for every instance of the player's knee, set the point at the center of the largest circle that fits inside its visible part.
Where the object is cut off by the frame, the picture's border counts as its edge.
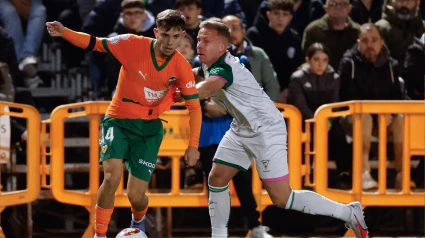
(111, 181)
(216, 180)
(279, 203)
(135, 196)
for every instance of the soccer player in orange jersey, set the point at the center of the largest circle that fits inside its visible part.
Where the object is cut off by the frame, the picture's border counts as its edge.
(132, 132)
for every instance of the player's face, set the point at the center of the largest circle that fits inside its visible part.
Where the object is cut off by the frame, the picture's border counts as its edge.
(168, 41)
(237, 32)
(210, 46)
(134, 18)
(370, 44)
(318, 63)
(279, 19)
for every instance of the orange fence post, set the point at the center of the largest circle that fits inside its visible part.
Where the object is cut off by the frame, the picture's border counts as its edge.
(44, 168)
(33, 156)
(413, 144)
(308, 152)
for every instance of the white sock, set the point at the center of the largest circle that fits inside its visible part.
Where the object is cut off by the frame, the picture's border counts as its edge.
(312, 203)
(219, 208)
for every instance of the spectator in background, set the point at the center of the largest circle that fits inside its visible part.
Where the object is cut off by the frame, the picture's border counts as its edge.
(261, 67)
(134, 19)
(191, 9)
(68, 12)
(186, 48)
(415, 70)
(281, 43)
(315, 83)
(299, 20)
(369, 73)
(27, 43)
(399, 25)
(212, 8)
(250, 9)
(365, 11)
(100, 22)
(335, 30)
(232, 7)
(316, 9)
(8, 56)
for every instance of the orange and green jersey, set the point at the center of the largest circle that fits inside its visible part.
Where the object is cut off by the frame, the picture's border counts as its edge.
(146, 82)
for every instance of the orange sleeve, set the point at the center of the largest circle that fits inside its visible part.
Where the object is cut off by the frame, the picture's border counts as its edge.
(187, 86)
(195, 121)
(126, 48)
(82, 40)
(122, 47)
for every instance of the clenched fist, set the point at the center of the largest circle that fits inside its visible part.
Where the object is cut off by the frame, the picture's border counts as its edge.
(55, 29)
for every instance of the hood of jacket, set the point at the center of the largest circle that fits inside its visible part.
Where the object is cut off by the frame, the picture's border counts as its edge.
(120, 27)
(354, 53)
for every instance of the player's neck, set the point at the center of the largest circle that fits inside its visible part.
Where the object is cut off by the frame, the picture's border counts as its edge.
(157, 51)
(208, 64)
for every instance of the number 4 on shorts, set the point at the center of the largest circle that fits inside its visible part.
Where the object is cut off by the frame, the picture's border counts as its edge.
(109, 135)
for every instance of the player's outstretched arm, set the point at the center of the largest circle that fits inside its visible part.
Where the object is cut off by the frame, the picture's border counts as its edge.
(79, 39)
(210, 86)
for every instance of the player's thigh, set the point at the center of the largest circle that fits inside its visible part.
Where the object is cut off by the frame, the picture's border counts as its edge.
(270, 152)
(136, 188)
(114, 145)
(229, 159)
(143, 153)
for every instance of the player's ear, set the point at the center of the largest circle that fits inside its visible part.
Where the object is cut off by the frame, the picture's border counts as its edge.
(222, 47)
(155, 31)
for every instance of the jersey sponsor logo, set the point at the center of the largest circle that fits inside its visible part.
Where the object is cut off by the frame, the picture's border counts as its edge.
(265, 165)
(153, 95)
(214, 71)
(191, 84)
(146, 163)
(125, 37)
(114, 40)
(143, 75)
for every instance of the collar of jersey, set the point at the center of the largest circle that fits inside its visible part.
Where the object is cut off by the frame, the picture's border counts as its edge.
(220, 60)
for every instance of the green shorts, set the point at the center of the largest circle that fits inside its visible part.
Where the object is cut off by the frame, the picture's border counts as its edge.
(135, 141)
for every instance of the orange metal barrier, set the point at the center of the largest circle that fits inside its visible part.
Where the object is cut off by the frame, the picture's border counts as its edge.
(33, 156)
(413, 144)
(173, 145)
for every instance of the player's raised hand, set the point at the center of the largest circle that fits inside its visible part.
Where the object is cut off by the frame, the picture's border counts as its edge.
(191, 156)
(55, 29)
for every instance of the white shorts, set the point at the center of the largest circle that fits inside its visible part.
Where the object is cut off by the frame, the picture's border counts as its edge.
(268, 149)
